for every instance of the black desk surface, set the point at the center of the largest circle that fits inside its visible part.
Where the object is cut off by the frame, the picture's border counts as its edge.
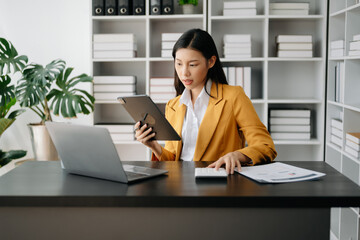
(45, 184)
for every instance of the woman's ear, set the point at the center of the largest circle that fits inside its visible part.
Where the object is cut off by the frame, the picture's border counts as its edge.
(211, 61)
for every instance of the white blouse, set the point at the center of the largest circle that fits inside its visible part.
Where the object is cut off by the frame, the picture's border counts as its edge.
(193, 117)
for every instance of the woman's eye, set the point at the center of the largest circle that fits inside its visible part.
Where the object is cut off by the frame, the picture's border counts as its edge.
(193, 65)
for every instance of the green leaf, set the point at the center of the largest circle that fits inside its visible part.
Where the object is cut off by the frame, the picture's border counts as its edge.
(6, 157)
(70, 101)
(7, 91)
(42, 76)
(4, 124)
(10, 62)
(15, 113)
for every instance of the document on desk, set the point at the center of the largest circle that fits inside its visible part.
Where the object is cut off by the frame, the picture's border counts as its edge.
(279, 173)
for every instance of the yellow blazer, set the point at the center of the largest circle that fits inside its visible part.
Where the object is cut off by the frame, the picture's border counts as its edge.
(230, 119)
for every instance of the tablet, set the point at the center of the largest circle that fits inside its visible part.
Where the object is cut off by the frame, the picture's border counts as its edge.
(142, 108)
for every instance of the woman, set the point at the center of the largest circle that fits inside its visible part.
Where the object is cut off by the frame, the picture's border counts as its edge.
(213, 119)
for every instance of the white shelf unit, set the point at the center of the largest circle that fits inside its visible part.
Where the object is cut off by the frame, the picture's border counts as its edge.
(281, 82)
(344, 18)
(148, 63)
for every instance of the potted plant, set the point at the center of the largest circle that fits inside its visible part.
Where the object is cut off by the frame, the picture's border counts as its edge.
(188, 6)
(10, 64)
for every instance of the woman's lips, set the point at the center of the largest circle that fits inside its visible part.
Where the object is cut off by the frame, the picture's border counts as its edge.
(187, 81)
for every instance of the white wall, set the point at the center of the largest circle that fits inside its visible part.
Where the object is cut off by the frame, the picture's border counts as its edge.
(45, 30)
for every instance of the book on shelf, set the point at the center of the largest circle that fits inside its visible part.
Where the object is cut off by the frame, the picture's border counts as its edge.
(352, 144)
(337, 44)
(232, 50)
(239, 4)
(289, 128)
(289, 5)
(294, 46)
(117, 128)
(162, 81)
(167, 45)
(237, 38)
(290, 120)
(162, 89)
(354, 53)
(110, 46)
(114, 79)
(356, 37)
(114, 88)
(247, 81)
(290, 136)
(352, 152)
(336, 140)
(114, 37)
(337, 124)
(353, 136)
(171, 37)
(289, 11)
(232, 76)
(290, 112)
(337, 132)
(337, 52)
(293, 39)
(354, 45)
(237, 56)
(166, 52)
(238, 44)
(239, 12)
(339, 82)
(111, 96)
(288, 53)
(225, 69)
(239, 79)
(122, 136)
(115, 54)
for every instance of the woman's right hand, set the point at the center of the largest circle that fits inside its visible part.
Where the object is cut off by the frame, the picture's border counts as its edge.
(144, 135)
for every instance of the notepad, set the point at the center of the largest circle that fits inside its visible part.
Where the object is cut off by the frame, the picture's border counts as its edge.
(279, 173)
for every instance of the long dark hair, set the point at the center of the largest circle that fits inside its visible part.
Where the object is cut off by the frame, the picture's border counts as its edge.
(201, 41)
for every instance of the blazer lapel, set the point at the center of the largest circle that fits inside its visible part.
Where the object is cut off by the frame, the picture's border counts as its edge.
(180, 112)
(209, 122)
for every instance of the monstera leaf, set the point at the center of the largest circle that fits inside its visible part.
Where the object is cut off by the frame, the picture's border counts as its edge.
(10, 62)
(69, 101)
(6, 157)
(7, 91)
(36, 81)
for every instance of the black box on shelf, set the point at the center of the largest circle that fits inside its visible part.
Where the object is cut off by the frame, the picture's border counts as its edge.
(110, 7)
(167, 7)
(124, 7)
(155, 7)
(98, 7)
(138, 7)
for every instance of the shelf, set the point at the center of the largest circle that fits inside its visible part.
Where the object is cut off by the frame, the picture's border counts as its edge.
(356, 160)
(335, 103)
(334, 147)
(277, 59)
(300, 17)
(255, 59)
(140, 59)
(176, 16)
(296, 101)
(234, 18)
(258, 101)
(297, 142)
(353, 7)
(161, 59)
(117, 18)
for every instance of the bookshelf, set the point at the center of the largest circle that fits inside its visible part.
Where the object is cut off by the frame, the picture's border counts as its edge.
(281, 82)
(344, 17)
(276, 82)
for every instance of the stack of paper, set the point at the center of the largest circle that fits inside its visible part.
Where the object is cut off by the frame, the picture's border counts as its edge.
(278, 173)
(237, 46)
(337, 133)
(354, 47)
(121, 132)
(109, 88)
(240, 8)
(290, 124)
(114, 45)
(168, 41)
(162, 89)
(294, 46)
(352, 144)
(239, 76)
(287, 8)
(337, 48)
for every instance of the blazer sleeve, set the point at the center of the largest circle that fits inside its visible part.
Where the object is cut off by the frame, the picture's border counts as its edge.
(168, 152)
(261, 148)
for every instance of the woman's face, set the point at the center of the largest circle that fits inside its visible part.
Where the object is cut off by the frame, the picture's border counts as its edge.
(192, 67)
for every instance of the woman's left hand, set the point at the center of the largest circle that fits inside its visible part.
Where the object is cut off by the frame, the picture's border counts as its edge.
(231, 161)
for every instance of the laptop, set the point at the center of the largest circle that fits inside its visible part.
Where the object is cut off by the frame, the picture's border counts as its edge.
(90, 151)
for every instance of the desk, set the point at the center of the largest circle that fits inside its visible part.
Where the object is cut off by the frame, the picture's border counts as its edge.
(46, 203)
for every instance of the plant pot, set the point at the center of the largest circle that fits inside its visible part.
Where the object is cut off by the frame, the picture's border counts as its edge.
(43, 146)
(188, 9)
